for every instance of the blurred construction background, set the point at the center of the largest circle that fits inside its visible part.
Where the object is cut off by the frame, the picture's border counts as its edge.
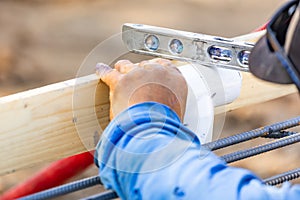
(43, 42)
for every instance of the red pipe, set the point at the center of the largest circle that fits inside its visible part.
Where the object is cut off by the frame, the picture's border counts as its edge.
(51, 176)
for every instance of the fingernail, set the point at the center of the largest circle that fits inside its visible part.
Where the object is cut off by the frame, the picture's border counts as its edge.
(102, 69)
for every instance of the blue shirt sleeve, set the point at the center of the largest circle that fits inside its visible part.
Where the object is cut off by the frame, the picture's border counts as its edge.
(146, 153)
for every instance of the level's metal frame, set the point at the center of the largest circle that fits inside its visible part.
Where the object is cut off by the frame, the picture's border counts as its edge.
(195, 46)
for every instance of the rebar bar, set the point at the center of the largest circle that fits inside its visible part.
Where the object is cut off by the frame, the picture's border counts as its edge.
(65, 189)
(239, 155)
(242, 137)
(281, 178)
(107, 195)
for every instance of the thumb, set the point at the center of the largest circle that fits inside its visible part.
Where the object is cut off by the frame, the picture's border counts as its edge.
(108, 75)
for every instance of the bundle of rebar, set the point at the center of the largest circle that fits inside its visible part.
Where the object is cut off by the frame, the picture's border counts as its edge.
(277, 131)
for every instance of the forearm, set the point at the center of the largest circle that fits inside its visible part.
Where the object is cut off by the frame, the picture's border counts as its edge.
(146, 152)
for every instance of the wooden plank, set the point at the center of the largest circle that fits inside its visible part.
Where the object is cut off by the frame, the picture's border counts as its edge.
(41, 125)
(256, 91)
(66, 118)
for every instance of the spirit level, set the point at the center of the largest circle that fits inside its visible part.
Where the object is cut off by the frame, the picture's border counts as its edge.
(187, 46)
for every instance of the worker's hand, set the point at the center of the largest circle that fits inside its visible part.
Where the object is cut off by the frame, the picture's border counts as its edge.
(155, 80)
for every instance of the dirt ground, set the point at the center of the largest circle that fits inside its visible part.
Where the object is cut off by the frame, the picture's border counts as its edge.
(43, 42)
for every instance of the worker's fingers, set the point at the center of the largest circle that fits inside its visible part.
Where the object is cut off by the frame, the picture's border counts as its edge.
(166, 63)
(150, 66)
(124, 66)
(122, 62)
(160, 61)
(108, 75)
(163, 62)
